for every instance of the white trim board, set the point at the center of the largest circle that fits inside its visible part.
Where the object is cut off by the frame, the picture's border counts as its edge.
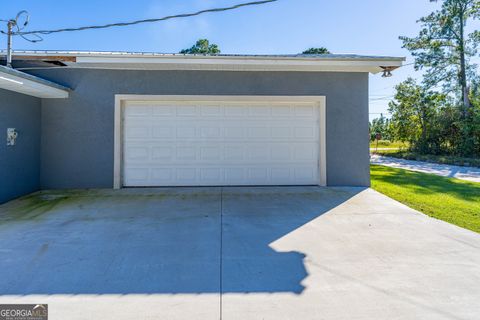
(233, 64)
(221, 62)
(121, 99)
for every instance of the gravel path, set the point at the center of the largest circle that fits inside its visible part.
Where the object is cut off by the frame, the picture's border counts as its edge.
(444, 170)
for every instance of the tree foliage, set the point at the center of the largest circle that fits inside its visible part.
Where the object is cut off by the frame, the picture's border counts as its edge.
(415, 116)
(320, 50)
(431, 122)
(381, 126)
(443, 48)
(202, 46)
(441, 115)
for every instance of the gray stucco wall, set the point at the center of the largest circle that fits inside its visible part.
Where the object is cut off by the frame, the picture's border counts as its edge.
(77, 133)
(19, 164)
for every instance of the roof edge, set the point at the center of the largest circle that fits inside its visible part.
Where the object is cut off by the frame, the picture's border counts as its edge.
(218, 62)
(66, 53)
(28, 84)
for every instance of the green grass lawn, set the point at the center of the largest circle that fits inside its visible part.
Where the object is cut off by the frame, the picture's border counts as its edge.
(452, 200)
(388, 144)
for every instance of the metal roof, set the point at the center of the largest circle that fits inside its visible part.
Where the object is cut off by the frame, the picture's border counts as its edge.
(349, 57)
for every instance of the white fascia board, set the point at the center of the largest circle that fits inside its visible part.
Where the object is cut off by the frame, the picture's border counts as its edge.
(232, 64)
(24, 85)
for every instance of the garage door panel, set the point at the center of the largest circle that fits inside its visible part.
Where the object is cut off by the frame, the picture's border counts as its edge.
(138, 111)
(234, 153)
(235, 112)
(165, 111)
(280, 152)
(162, 175)
(235, 132)
(137, 154)
(305, 133)
(166, 132)
(220, 144)
(305, 173)
(137, 132)
(162, 153)
(212, 176)
(258, 132)
(186, 153)
(136, 174)
(282, 111)
(281, 132)
(304, 111)
(305, 151)
(211, 111)
(281, 174)
(186, 111)
(259, 111)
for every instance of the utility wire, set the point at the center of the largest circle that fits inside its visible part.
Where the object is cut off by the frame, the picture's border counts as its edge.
(123, 24)
(382, 99)
(407, 64)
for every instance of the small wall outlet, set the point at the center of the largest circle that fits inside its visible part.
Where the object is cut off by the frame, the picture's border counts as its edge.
(12, 135)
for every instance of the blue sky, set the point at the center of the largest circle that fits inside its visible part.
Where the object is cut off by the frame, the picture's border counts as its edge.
(288, 26)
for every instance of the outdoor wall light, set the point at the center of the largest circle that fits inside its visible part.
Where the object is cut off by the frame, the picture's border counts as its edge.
(12, 135)
(387, 72)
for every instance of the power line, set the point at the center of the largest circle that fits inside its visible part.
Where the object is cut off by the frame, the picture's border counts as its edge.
(408, 64)
(123, 24)
(382, 98)
(381, 95)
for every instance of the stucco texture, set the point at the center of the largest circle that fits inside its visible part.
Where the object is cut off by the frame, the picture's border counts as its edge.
(19, 164)
(78, 133)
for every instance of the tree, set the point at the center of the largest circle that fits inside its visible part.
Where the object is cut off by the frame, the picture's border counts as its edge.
(414, 116)
(380, 126)
(443, 47)
(320, 50)
(202, 46)
(469, 128)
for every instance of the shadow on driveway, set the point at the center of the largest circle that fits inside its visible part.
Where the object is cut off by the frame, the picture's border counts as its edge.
(166, 240)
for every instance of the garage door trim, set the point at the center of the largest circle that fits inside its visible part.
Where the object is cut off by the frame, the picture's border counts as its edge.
(121, 99)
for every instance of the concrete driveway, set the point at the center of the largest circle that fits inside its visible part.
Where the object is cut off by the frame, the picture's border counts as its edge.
(444, 170)
(235, 253)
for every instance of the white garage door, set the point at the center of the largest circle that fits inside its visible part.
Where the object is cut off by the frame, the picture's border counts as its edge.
(220, 143)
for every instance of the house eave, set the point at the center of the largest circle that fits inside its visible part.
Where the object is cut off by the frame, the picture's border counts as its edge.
(223, 62)
(213, 64)
(21, 82)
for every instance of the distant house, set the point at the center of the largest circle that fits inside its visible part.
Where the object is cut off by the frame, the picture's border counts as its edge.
(115, 119)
